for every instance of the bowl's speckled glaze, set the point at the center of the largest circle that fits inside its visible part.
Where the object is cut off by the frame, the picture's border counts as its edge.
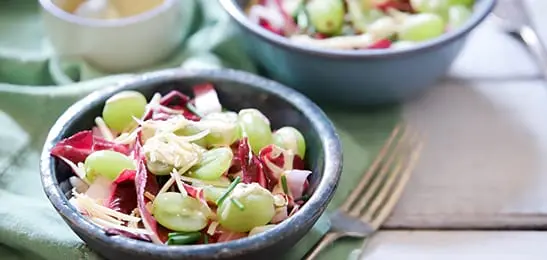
(358, 77)
(237, 90)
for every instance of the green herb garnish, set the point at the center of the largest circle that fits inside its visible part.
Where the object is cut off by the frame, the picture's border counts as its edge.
(177, 238)
(228, 191)
(205, 239)
(284, 184)
(238, 204)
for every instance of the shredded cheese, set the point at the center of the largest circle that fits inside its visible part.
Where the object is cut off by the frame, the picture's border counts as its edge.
(135, 213)
(149, 195)
(212, 228)
(127, 138)
(106, 224)
(171, 180)
(171, 149)
(198, 181)
(92, 205)
(149, 206)
(105, 131)
(167, 185)
(288, 158)
(175, 175)
(79, 171)
(79, 185)
(274, 168)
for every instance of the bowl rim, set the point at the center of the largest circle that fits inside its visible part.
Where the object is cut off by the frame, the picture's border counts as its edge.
(51, 8)
(317, 203)
(480, 12)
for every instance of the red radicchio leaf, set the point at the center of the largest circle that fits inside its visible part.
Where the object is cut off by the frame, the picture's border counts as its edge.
(290, 25)
(251, 166)
(122, 193)
(380, 44)
(196, 193)
(236, 160)
(320, 36)
(144, 181)
(266, 25)
(225, 235)
(187, 114)
(297, 182)
(113, 232)
(266, 154)
(401, 5)
(96, 132)
(206, 99)
(174, 100)
(77, 147)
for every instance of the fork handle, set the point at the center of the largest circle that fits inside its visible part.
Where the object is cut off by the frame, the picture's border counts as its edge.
(535, 45)
(326, 240)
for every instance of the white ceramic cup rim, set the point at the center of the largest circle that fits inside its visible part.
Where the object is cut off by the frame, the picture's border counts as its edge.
(90, 22)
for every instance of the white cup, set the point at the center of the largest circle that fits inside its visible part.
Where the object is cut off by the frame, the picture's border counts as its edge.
(116, 45)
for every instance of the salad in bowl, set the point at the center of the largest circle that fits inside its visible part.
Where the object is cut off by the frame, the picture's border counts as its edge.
(360, 24)
(176, 170)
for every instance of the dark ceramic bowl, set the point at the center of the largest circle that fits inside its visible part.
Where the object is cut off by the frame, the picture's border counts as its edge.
(237, 90)
(358, 77)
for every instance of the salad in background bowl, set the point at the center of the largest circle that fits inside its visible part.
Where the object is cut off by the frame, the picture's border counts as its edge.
(356, 52)
(360, 24)
(204, 165)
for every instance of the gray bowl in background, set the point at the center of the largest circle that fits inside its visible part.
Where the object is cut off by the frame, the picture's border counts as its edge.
(354, 77)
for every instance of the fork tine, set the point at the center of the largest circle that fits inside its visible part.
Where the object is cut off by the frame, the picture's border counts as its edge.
(399, 188)
(392, 171)
(376, 185)
(371, 170)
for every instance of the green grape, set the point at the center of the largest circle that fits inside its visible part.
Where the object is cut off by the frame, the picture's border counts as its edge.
(466, 3)
(192, 129)
(213, 164)
(421, 27)
(440, 7)
(119, 110)
(289, 138)
(212, 194)
(256, 127)
(356, 15)
(457, 16)
(260, 229)
(327, 16)
(257, 208)
(106, 163)
(223, 127)
(158, 168)
(179, 212)
(430, 6)
(291, 7)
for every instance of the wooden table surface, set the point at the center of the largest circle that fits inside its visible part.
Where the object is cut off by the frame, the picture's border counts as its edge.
(485, 163)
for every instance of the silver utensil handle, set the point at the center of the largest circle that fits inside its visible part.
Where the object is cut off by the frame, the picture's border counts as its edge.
(326, 240)
(532, 40)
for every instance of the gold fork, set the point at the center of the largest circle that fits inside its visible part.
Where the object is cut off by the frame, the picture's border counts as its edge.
(380, 188)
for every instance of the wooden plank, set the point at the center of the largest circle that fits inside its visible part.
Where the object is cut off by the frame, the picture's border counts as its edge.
(484, 162)
(490, 54)
(431, 245)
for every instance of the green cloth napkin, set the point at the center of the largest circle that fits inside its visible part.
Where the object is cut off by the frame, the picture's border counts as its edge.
(36, 87)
